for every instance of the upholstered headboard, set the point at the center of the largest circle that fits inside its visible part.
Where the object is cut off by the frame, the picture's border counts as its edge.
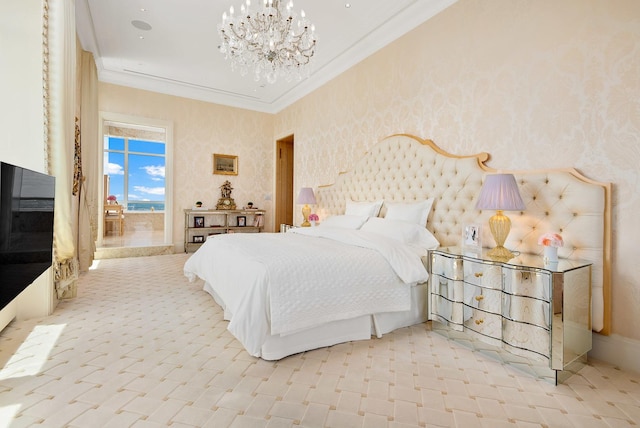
(404, 168)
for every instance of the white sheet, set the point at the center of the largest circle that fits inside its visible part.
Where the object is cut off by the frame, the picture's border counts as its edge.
(311, 280)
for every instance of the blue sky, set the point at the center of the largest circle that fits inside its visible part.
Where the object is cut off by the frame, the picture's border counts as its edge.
(146, 172)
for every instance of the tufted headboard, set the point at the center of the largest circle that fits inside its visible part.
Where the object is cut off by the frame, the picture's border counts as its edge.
(405, 168)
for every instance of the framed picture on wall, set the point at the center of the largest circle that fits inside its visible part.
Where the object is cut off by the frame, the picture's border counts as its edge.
(471, 236)
(225, 164)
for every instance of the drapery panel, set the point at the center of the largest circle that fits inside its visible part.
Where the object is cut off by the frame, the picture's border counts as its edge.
(88, 192)
(59, 102)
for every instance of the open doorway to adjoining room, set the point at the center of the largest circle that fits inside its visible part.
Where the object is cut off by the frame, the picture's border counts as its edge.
(136, 187)
(284, 182)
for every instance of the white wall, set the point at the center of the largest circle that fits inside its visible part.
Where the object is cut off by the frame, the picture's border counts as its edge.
(22, 123)
(21, 112)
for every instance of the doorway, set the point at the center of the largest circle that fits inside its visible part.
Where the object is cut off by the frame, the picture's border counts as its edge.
(284, 182)
(137, 174)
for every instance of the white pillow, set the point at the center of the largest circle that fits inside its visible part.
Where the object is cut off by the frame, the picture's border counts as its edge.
(416, 212)
(407, 233)
(369, 209)
(344, 221)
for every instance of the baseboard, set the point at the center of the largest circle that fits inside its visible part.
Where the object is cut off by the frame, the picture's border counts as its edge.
(617, 350)
(122, 252)
(8, 314)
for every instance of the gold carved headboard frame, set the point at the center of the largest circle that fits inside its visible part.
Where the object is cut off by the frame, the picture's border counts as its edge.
(405, 168)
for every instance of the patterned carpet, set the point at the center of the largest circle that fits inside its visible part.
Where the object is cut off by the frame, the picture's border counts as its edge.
(142, 347)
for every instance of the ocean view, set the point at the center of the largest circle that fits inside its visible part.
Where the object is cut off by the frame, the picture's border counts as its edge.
(145, 206)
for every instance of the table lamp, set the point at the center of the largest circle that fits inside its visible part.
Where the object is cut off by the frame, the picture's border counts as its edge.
(500, 192)
(306, 197)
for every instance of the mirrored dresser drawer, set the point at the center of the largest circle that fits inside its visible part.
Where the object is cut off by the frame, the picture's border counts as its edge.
(526, 310)
(447, 311)
(446, 300)
(482, 274)
(484, 323)
(448, 288)
(521, 306)
(486, 299)
(446, 266)
(526, 336)
(527, 282)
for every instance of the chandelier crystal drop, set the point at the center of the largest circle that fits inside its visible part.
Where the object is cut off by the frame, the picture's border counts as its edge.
(272, 41)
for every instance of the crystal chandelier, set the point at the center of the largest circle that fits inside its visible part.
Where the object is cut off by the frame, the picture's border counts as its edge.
(271, 40)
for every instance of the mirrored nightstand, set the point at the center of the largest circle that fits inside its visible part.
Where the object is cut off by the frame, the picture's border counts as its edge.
(533, 314)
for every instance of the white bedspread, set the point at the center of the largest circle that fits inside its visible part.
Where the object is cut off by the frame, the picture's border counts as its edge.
(274, 283)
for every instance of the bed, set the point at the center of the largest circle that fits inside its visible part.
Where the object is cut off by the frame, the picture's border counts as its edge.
(398, 174)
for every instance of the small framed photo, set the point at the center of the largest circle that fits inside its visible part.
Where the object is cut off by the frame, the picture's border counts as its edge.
(225, 164)
(198, 222)
(242, 220)
(471, 236)
(198, 239)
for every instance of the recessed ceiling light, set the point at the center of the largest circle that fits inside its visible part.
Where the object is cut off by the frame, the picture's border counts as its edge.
(142, 9)
(347, 5)
(141, 25)
(141, 37)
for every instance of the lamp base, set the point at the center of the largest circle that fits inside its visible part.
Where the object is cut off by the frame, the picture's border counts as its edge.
(500, 225)
(306, 210)
(500, 254)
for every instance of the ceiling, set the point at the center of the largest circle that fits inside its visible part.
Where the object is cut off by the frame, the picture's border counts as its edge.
(179, 56)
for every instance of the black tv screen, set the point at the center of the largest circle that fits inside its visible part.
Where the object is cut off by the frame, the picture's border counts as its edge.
(26, 228)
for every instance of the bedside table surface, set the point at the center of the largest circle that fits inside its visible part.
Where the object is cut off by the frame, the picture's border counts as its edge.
(522, 260)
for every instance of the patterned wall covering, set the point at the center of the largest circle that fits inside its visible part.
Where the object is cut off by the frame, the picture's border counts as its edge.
(536, 83)
(200, 130)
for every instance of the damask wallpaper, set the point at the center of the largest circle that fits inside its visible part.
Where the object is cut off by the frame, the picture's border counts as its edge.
(536, 83)
(200, 130)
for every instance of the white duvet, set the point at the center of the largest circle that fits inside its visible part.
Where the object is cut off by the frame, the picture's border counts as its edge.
(282, 283)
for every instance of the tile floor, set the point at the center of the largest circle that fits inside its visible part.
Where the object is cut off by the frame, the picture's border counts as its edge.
(133, 238)
(142, 347)
(133, 243)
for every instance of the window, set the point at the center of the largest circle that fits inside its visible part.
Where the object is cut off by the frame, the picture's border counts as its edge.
(136, 170)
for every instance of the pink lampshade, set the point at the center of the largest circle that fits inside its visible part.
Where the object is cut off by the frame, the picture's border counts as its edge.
(500, 192)
(306, 196)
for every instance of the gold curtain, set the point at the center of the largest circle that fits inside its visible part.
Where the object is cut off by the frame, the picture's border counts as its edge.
(59, 99)
(89, 139)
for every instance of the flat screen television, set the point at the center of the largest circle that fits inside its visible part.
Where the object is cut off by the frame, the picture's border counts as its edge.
(26, 228)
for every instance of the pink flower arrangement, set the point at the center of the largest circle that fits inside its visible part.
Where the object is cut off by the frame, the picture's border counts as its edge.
(551, 240)
(313, 217)
(111, 198)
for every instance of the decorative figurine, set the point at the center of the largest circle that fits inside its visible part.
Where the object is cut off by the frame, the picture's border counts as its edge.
(226, 202)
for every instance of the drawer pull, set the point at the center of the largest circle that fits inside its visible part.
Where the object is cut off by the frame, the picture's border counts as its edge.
(478, 274)
(478, 322)
(478, 298)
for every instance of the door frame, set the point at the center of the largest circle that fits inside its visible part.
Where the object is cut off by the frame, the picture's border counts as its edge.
(284, 199)
(168, 169)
